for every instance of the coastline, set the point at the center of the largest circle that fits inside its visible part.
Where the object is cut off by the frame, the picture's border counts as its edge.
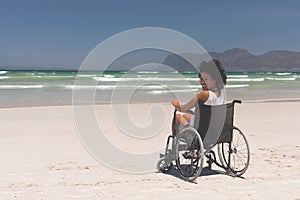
(5, 107)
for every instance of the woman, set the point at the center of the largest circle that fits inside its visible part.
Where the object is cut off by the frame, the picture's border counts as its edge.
(212, 79)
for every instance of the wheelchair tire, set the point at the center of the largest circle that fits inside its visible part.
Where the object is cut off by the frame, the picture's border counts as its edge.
(163, 165)
(239, 154)
(189, 154)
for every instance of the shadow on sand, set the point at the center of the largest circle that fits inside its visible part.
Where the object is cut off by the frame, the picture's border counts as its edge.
(206, 171)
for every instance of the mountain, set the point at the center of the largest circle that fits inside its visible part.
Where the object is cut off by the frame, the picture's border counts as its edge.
(240, 60)
(233, 60)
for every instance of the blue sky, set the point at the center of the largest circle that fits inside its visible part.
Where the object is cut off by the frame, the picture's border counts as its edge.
(61, 33)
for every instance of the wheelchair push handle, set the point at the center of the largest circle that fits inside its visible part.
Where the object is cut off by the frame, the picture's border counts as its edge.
(237, 101)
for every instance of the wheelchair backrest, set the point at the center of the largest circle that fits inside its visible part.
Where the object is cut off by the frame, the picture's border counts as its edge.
(214, 123)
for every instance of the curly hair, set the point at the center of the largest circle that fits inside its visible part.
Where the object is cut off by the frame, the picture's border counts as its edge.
(217, 72)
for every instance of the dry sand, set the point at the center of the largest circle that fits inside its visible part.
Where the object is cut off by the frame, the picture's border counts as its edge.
(42, 158)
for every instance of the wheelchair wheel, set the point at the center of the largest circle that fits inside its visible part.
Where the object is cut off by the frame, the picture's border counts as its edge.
(239, 153)
(189, 154)
(163, 165)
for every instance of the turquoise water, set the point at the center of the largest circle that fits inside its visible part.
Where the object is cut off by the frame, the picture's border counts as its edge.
(35, 88)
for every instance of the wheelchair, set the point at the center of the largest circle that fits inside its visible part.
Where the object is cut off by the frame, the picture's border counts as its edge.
(213, 130)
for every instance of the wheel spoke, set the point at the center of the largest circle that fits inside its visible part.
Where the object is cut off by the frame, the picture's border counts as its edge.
(188, 164)
(239, 156)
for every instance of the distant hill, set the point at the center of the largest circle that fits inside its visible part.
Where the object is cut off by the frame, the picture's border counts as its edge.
(233, 60)
(242, 60)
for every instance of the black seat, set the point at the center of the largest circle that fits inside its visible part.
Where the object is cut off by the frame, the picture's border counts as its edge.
(214, 123)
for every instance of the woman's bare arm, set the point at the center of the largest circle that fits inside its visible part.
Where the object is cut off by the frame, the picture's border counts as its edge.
(189, 105)
(203, 96)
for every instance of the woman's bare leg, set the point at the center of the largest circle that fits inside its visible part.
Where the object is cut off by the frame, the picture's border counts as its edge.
(188, 117)
(182, 120)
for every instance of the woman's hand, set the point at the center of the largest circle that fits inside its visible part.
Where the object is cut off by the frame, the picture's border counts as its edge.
(176, 104)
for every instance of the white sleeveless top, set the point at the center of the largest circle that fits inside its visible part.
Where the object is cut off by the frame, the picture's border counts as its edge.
(213, 100)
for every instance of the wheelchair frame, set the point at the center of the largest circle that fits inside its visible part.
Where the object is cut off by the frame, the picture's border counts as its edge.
(190, 144)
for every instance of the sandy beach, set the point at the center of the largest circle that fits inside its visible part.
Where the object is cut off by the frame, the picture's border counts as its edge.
(42, 158)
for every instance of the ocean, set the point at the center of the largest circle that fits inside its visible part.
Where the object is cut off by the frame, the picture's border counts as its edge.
(47, 88)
